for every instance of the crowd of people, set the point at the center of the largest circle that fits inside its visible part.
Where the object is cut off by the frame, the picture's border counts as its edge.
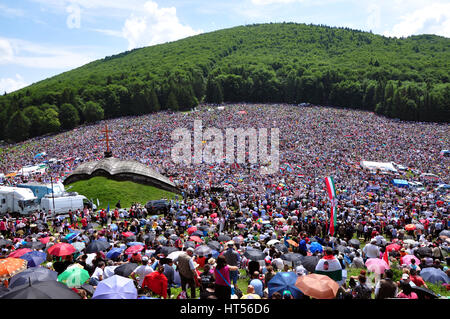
(233, 221)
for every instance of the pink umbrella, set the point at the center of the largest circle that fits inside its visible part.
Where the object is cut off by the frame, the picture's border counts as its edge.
(241, 226)
(44, 240)
(134, 249)
(196, 239)
(213, 215)
(376, 265)
(407, 259)
(19, 252)
(191, 230)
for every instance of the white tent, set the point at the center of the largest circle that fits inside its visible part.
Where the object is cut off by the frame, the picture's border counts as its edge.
(382, 166)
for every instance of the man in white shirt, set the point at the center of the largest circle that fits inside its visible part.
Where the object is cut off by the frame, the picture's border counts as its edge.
(98, 274)
(142, 271)
(371, 250)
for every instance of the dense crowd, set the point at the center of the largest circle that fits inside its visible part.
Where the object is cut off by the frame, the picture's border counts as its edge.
(234, 221)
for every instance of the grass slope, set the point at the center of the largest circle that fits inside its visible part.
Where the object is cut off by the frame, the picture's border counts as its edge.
(111, 191)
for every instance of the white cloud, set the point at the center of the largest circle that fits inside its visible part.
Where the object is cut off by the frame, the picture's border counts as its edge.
(29, 54)
(9, 85)
(10, 12)
(429, 19)
(374, 17)
(154, 25)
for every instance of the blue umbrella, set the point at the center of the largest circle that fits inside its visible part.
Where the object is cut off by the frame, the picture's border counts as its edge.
(114, 253)
(134, 243)
(315, 246)
(114, 227)
(284, 281)
(181, 217)
(34, 258)
(434, 275)
(71, 236)
(115, 287)
(39, 155)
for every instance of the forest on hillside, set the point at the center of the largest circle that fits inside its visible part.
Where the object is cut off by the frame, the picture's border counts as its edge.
(405, 78)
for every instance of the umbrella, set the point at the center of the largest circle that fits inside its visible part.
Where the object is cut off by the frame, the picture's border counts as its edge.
(5, 242)
(343, 249)
(284, 281)
(74, 277)
(71, 236)
(410, 242)
(125, 269)
(255, 255)
(11, 266)
(189, 244)
(407, 259)
(191, 230)
(434, 275)
(93, 225)
(317, 286)
(19, 252)
(424, 293)
(79, 246)
(115, 287)
(97, 246)
(42, 290)
(316, 247)
(376, 265)
(134, 243)
(203, 250)
(445, 233)
(214, 245)
(34, 258)
(127, 234)
(196, 239)
(114, 253)
(424, 252)
(410, 227)
(393, 247)
(291, 242)
(61, 249)
(198, 233)
(272, 242)
(224, 238)
(34, 245)
(173, 255)
(295, 258)
(134, 249)
(241, 226)
(113, 227)
(281, 247)
(162, 240)
(354, 242)
(166, 250)
(32, 275)
(310, 263)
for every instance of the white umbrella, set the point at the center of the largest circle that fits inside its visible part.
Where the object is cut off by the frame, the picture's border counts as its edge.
(272, 242)
(175, 254)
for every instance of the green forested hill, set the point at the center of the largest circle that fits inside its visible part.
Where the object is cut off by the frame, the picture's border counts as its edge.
(407, 78)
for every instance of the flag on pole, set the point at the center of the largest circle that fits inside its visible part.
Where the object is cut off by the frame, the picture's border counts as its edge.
(331, 190)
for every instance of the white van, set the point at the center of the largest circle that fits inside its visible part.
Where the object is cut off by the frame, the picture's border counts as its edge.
(62, 204)
(17, 200)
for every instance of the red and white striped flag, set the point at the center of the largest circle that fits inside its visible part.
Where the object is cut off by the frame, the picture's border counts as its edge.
(331, 189)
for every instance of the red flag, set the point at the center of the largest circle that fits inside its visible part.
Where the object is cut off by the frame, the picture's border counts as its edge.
(386, 257)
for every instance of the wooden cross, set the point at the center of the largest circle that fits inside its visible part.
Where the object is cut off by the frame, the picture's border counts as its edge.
(107, 139)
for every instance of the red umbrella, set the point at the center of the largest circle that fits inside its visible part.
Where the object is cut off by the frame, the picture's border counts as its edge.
(134, 249)
(196, 239)
(19, 252)
(213, 215)
(191, 230)
(44, 240)
(61, 249)
(127, 234)
(410, 227)
(392, 247)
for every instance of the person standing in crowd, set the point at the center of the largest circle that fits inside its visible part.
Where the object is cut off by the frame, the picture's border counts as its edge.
(222, 285)
(233, 259)
(186, 268)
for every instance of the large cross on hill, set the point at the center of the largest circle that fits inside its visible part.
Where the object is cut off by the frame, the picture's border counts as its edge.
(107, 139)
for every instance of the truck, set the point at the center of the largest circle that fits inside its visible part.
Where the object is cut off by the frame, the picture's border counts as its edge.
(15, 200)
(62, 204)
(40, 189)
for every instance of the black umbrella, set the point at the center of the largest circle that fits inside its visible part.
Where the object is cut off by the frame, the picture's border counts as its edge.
(224, 238)
(215, 245)
(189, 244)
(343, 249)
(90, 289)
(4, 290)
(96, 246)
(166, 250)
(424, 293)
(197, 233)
(293, 257)
(310, 263)
(255, 255)
(354, 242)
(130, 238)
(445, 233)
(5, 242)
(424, 252)
(34, 245)
(149, 238)
(33, 274)
(42, 290)
(126, 269)
(281, 247)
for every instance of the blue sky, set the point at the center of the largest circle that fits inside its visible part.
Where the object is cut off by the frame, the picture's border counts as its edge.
(42, 38)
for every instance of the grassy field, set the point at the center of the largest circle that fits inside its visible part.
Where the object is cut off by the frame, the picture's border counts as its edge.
(109, 191)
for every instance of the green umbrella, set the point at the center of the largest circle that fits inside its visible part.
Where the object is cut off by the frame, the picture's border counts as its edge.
(74, 277)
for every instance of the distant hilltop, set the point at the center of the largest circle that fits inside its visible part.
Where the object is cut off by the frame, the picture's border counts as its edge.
(406, 78)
